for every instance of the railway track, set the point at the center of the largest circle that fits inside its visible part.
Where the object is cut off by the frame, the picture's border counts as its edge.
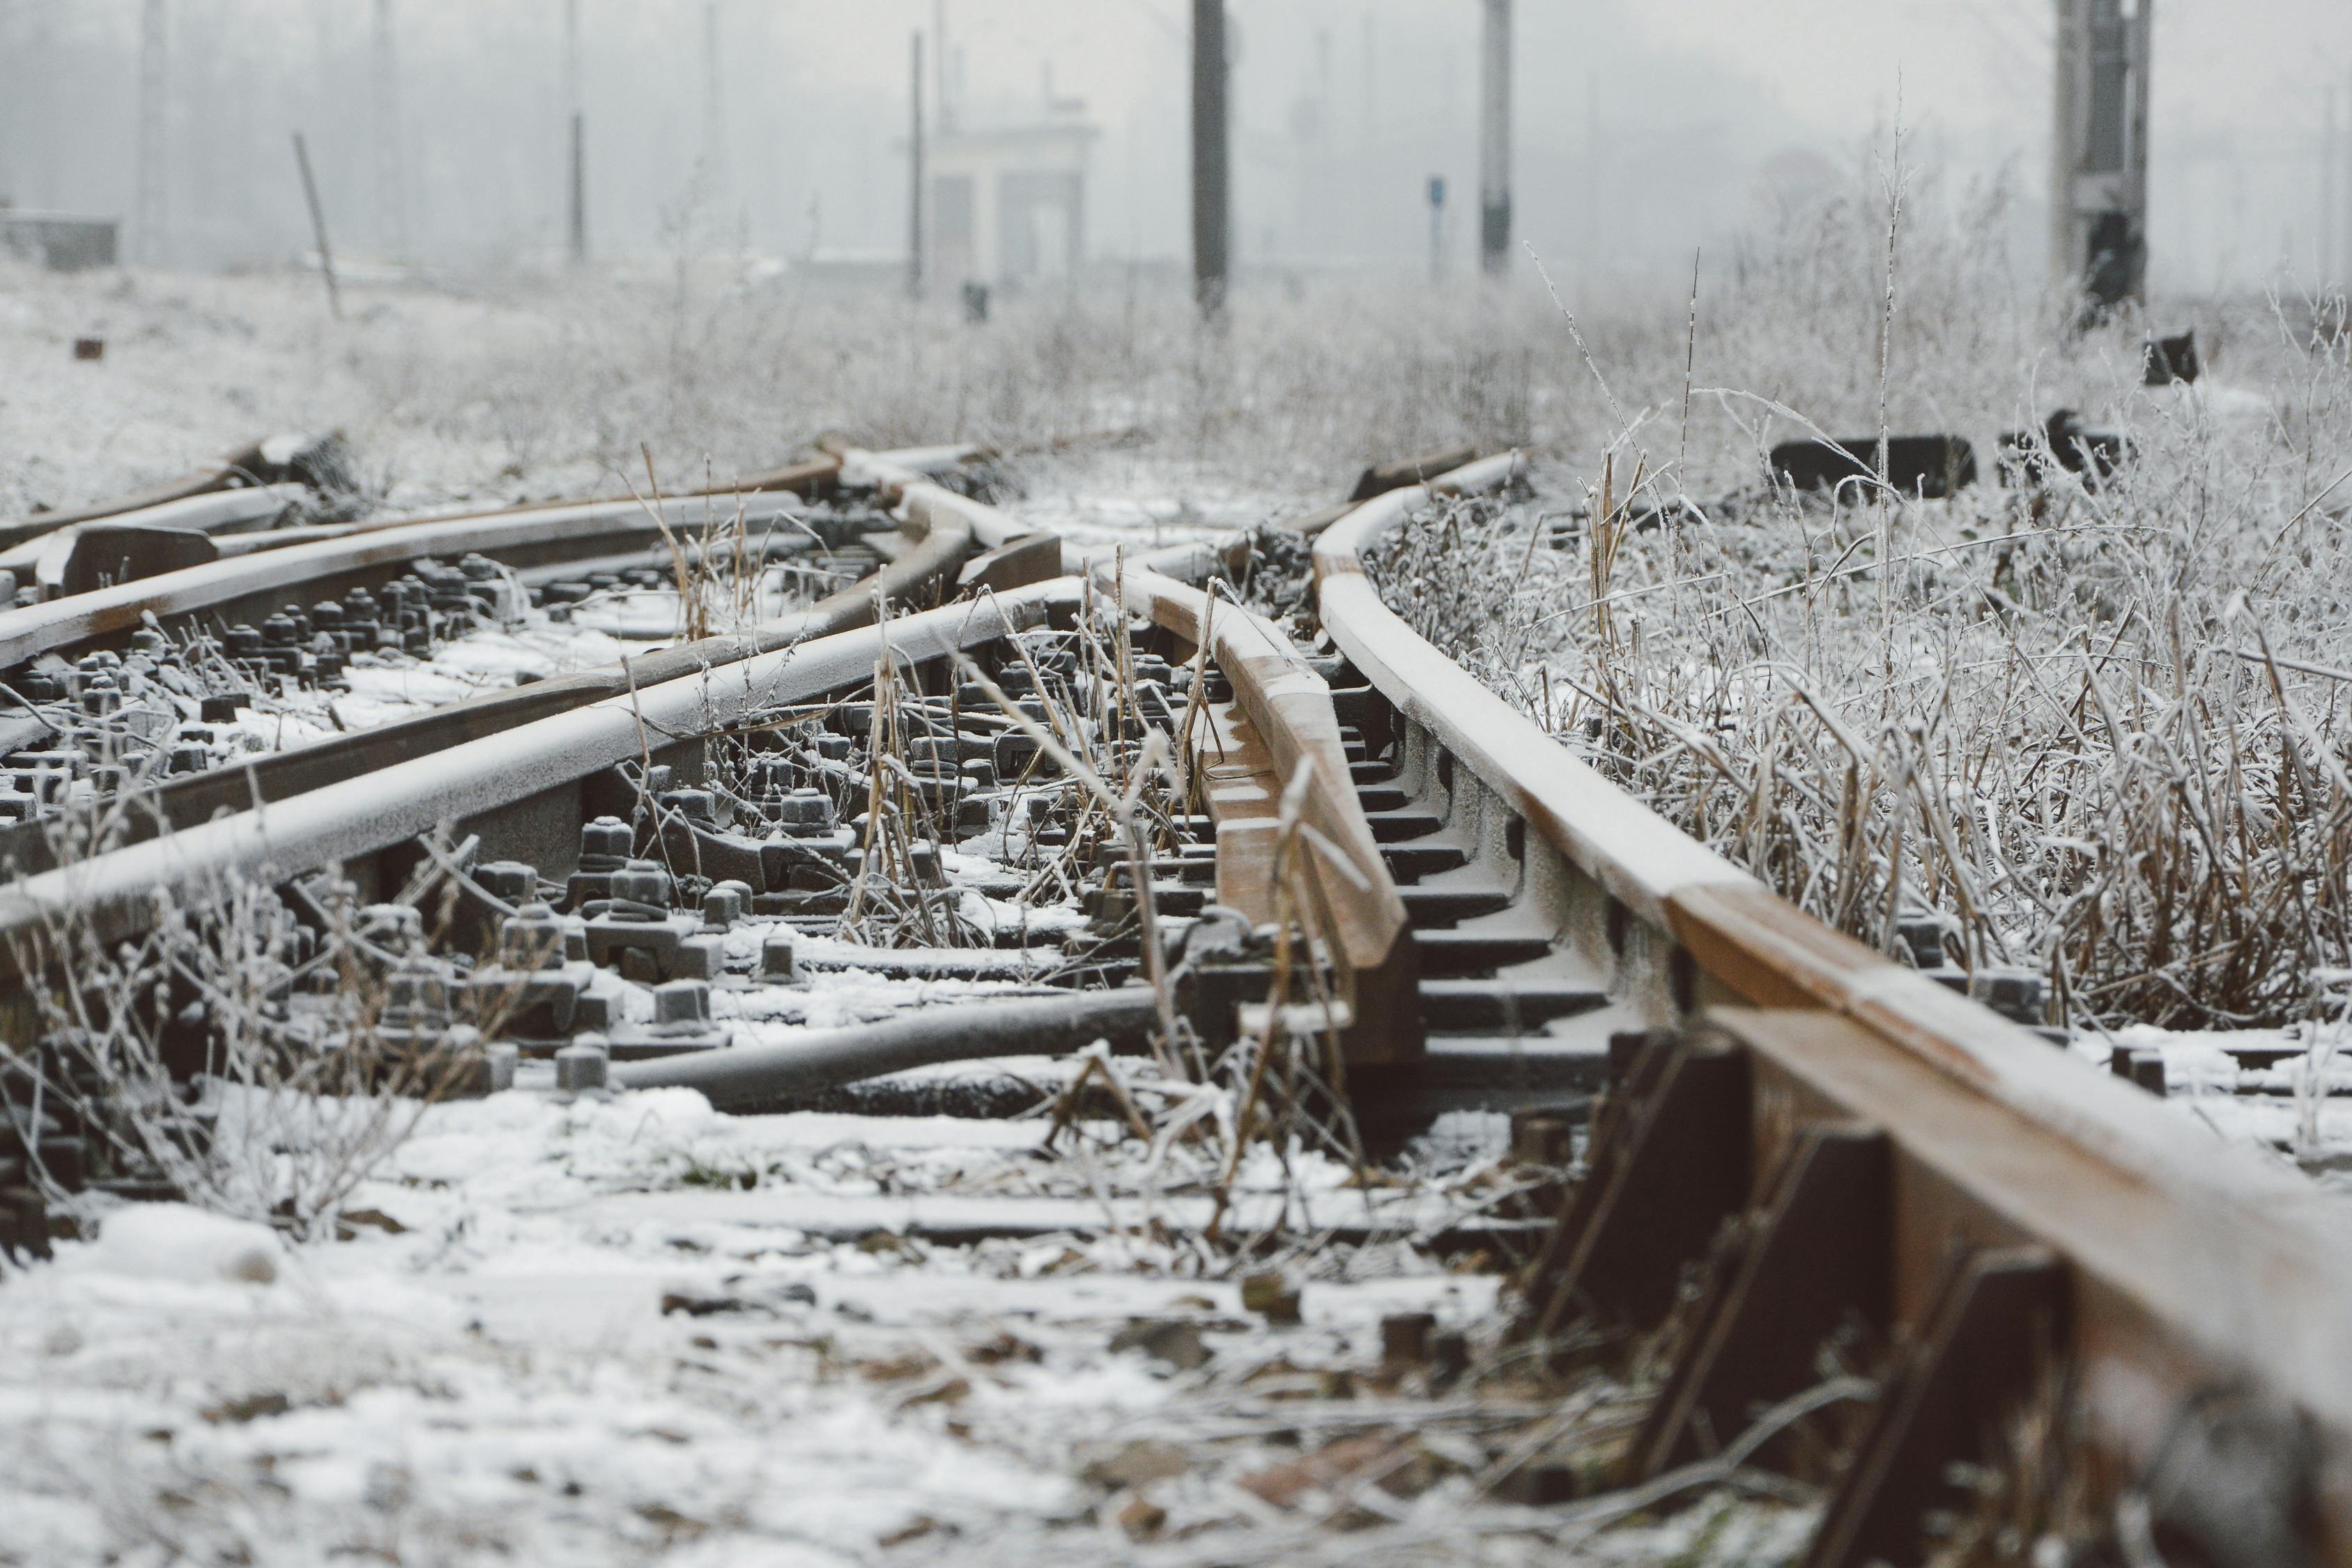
(1352, 885)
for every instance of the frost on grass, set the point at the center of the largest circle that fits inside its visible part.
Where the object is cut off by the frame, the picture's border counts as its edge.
(2092, 728)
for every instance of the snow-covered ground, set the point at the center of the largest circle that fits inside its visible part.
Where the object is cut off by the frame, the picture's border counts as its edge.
(582, 1334)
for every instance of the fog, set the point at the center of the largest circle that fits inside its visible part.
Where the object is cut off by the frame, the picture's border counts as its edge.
(777, 128)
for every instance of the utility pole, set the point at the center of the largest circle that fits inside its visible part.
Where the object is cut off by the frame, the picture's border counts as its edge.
(154, 89)
(915, 163)
(714, 112)
(2327, 197)
(2098, 203)
(14, 85)
(317, 225)
(1211, 160)
(1436, 230)
(1495, 144)
(576, 219)
(944, 98)
(392, 202)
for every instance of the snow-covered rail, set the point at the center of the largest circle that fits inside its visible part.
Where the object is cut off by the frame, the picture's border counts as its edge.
(2018, 1237)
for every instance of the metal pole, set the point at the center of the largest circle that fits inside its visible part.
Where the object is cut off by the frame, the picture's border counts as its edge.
(319, 226)
(579, 189)
(811, 1063)
(576, 151)
(2099, 169)
(914, 161)
(2327, 197)
(1211, 159)
(1436, 230)
(155, 86)
(940, 66)
(1495, 144)
(714, 111)
(391, 205)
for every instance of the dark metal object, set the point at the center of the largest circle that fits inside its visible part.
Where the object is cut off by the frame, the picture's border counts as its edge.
(1933, 466)
(2076, 448)
(2172, 359)
(813, 1063)
(1381, 477)
(105, 553)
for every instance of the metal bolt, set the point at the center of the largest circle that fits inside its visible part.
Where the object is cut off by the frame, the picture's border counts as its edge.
(502, 1059)
(1404, 1339)
(582, 1069)
(1540, 1138)
(682, 1002)
(777, 964)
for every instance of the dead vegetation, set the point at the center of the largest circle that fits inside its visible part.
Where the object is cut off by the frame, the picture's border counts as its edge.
(2091, 727)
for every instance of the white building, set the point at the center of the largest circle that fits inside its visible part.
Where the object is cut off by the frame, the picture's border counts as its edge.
(1008, 205)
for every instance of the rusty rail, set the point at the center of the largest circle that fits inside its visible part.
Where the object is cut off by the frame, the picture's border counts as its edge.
(927, 568)
(276, 459)
(1282, 730)
(2027, 1235)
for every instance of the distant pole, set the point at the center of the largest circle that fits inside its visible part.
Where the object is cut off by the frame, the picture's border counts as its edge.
(914, 166)
(576, 151)
(392, 202)
(2327, 197)
(940, 66)
(1370, 176)
(2098, 236)
(317, 225)
(579, 190)
(2343, 180)
(1495, 144)
(714, 108)
(1436, 229)
(154, 89)
(1211, 160)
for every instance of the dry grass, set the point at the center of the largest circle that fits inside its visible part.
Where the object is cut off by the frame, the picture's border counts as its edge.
(2097, 732)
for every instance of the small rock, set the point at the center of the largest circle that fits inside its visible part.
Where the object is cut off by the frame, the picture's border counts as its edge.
(1136, 1464)
(252, 1407)
(1283, 1484)
(1404, 1339)
(1270, 1296)
(1174, 1342)
(375, 1219)
(1143, 1518)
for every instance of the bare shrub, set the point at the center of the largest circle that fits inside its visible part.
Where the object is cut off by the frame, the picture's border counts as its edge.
(231, 1056)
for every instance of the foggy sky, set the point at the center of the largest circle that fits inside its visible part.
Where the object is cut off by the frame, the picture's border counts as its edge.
(1643, 124)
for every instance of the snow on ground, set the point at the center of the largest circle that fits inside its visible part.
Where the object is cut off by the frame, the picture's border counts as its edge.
(2286, 1090)
(514, 1358)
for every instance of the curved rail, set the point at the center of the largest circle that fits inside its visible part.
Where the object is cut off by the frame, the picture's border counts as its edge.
(936, 553)
(521, 787)
(1286, 735)
(1985, 1188)
(326, 566)
(276, 459)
